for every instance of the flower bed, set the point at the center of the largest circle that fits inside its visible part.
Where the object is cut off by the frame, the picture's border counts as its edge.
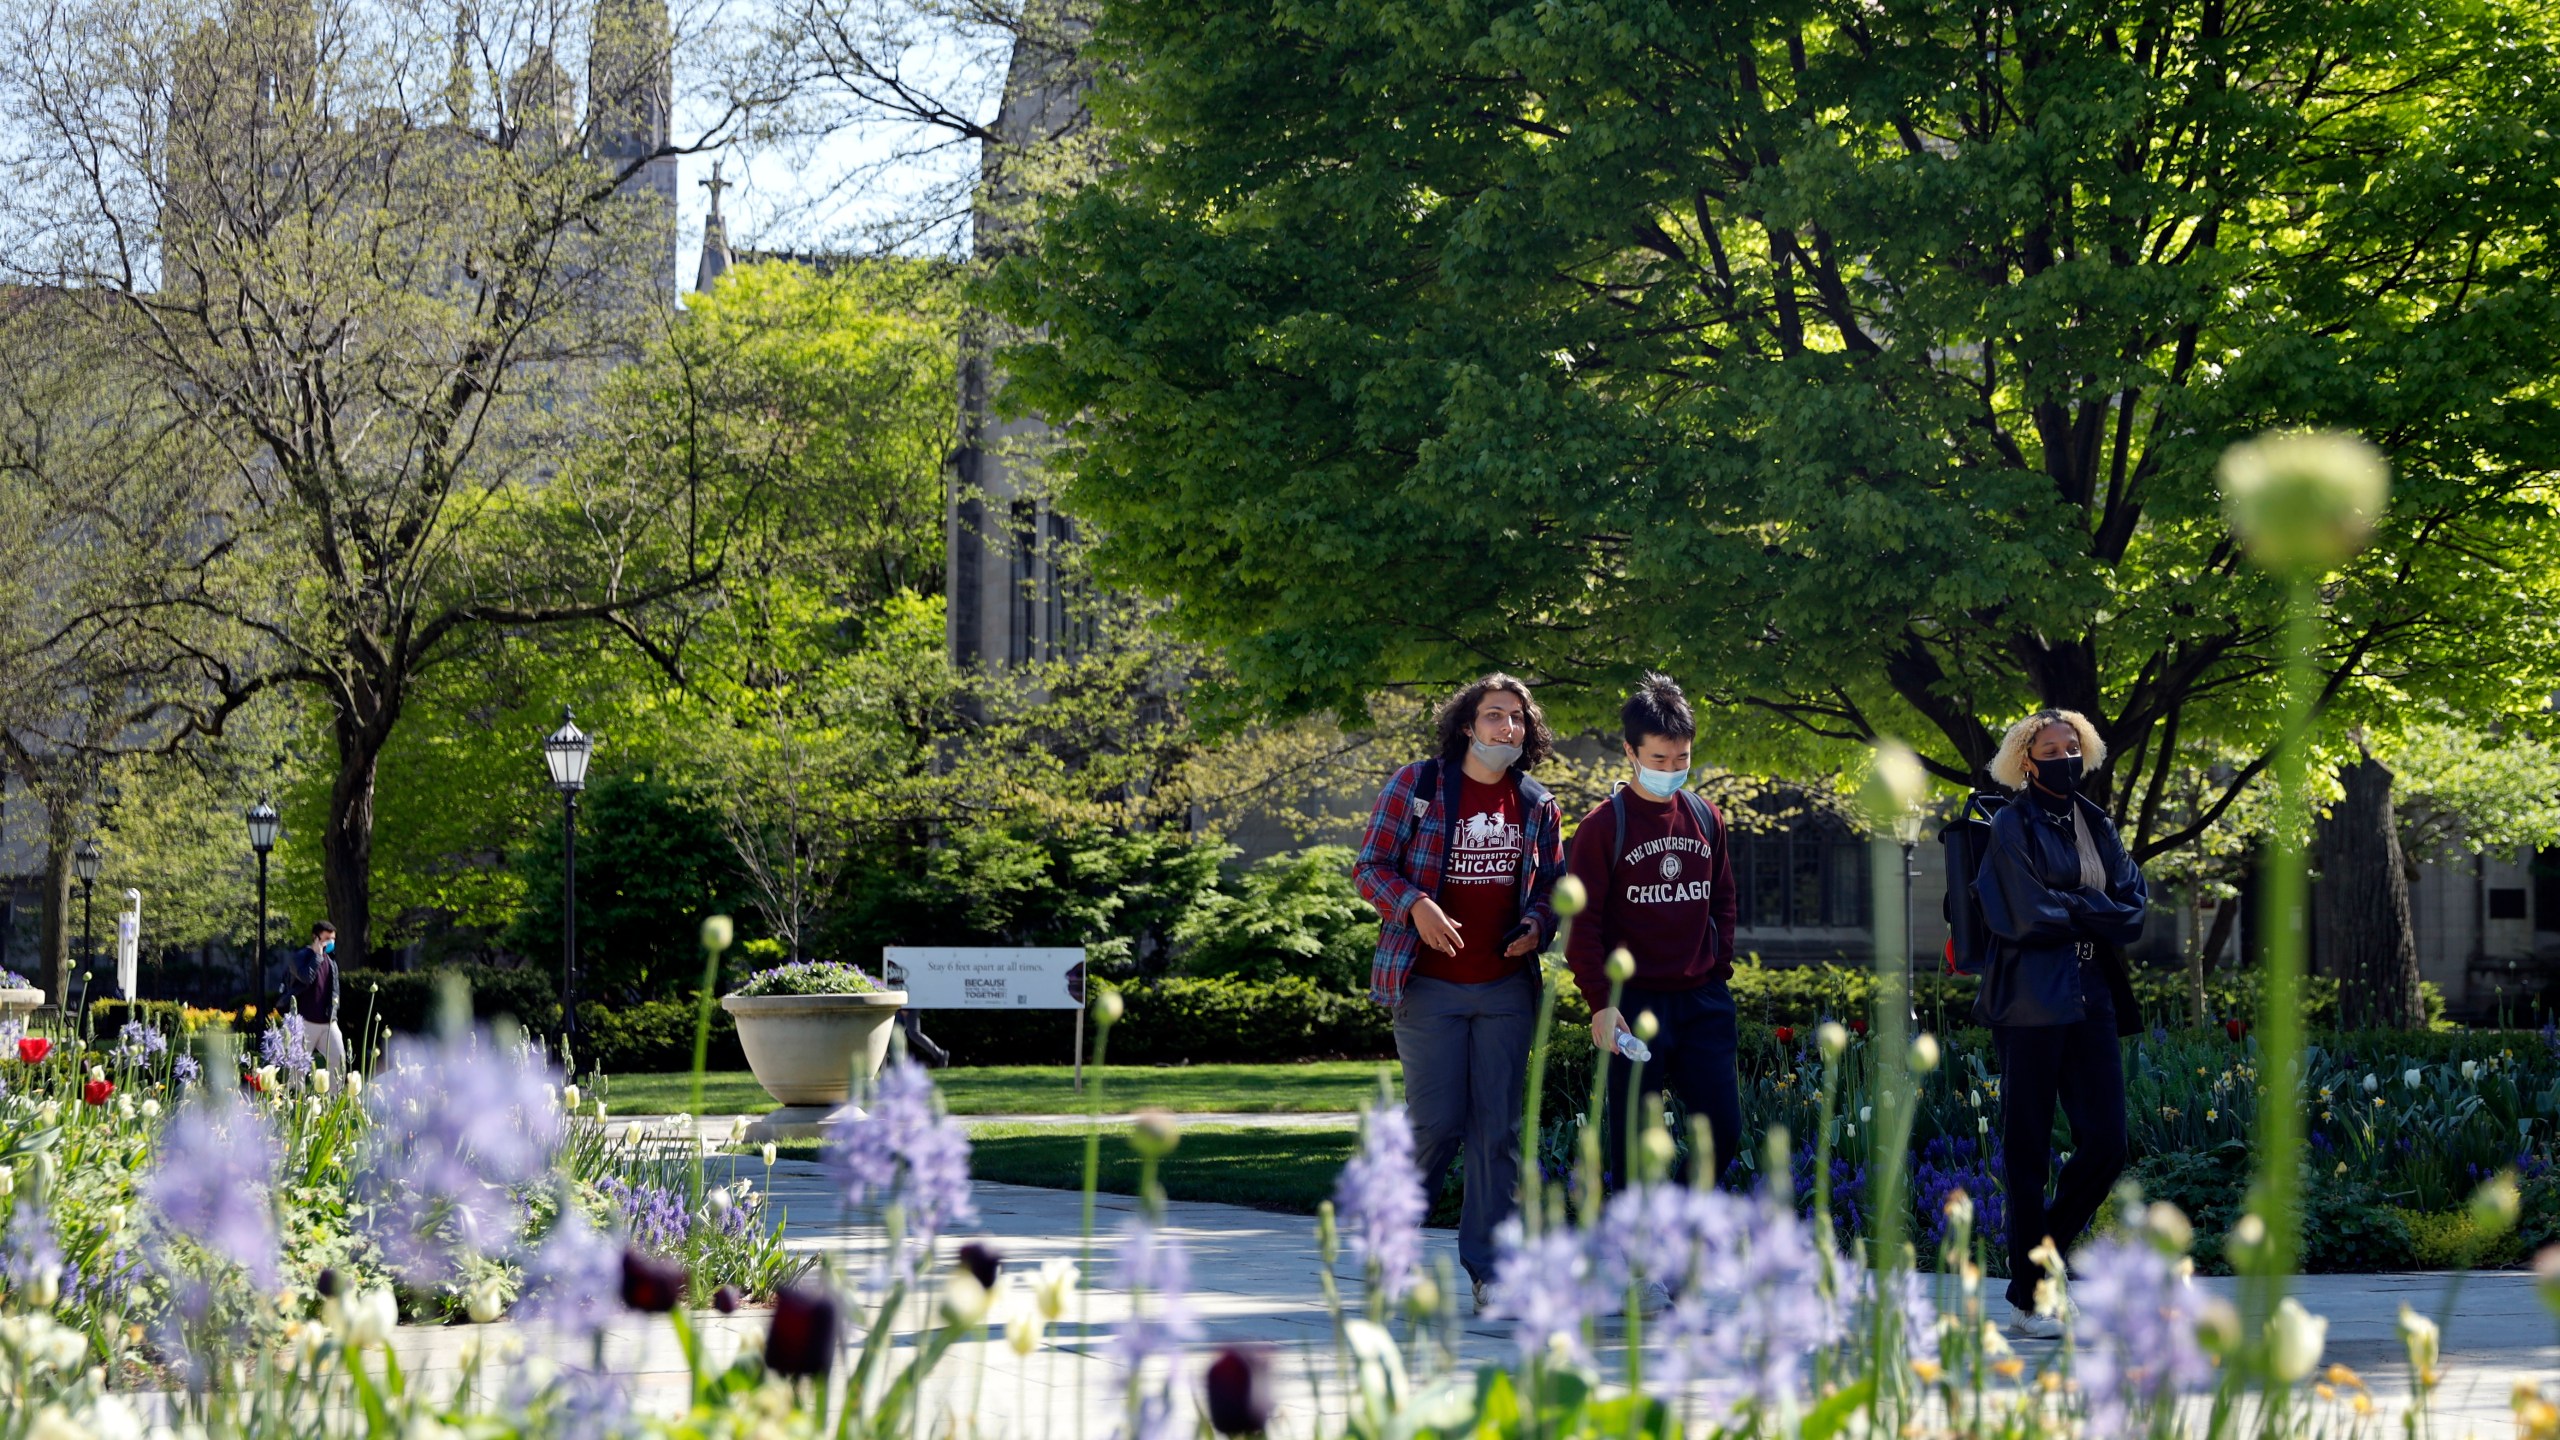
(177, 1209)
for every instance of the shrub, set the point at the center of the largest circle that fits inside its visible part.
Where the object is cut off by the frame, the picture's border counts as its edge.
(1289, 915)
(2451, 1240)
(653, 1037)
(407, 1000)
(809, 977)
(652, 859)
(1804, 994)
(1181, 1019)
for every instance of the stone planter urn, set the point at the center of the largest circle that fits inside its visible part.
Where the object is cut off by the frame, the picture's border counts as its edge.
(810, 1051)
(17, 1002)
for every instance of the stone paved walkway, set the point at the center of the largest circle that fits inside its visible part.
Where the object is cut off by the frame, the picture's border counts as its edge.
(1255, 1277)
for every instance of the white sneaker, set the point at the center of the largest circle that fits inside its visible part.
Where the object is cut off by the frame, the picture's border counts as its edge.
(1485, 1304)
(2028, 1325)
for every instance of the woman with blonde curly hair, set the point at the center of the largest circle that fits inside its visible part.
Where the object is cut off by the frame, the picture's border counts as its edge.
(2063, 899)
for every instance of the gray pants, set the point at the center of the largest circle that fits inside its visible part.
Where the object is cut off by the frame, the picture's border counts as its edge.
(1465, 1050)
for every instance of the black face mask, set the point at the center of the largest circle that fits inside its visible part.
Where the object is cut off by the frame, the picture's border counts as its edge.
(2060, 775)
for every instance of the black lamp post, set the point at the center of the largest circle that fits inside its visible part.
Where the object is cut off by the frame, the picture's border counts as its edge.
(1906, 831)
(262, 838)
(87, 862)
(566, 752)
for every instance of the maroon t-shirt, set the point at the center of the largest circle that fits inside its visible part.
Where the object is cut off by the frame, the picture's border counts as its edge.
(1480, 884)
(1667, 896)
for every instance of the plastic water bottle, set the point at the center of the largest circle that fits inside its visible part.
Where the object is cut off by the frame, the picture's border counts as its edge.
(1633, 1048)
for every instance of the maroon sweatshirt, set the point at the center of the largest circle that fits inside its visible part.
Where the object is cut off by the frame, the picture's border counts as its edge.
(1668, 897)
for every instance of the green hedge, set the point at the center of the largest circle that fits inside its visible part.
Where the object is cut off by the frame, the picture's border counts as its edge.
(653, 1037)
(1181, 1019)
(1806, 994)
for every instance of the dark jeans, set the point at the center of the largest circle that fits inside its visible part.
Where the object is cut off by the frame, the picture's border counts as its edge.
(1465, 1050)
(1692, 1061)
(2080, 1066)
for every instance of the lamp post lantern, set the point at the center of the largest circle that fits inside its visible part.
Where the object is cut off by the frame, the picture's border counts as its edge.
(87, 863)
(566, 752)
(262, 838)
(1906, 832)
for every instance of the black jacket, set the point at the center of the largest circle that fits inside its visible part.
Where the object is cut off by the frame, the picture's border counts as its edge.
(2048, 924)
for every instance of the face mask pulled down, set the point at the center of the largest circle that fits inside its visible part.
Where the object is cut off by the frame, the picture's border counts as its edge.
(1496, 757)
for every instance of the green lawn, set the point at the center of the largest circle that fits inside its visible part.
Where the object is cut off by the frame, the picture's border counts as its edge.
(1049, 1090)
(1291, 1170)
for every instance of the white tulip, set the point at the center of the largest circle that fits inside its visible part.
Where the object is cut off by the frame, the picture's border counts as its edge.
(319, 1079)
(2425, 1343)
(367, 1318)
(2371, 1084)
(770, 1153)
(2297, 1337)
(2413, 1077)
(1050, 1289)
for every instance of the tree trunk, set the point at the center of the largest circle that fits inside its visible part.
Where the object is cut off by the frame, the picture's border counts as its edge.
(2226, 917)
(346, 842)
(2362, 917)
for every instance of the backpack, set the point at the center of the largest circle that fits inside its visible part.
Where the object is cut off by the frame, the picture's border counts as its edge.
(1967, 839)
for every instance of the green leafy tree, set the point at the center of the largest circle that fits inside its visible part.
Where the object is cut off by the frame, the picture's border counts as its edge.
(1295, 914)
(1864, 365)
(652, 861)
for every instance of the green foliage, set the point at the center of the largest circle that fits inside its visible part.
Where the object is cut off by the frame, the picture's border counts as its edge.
(1294, 914)
(410, 1000)
(1023, 881)
(652, 860)
(2451, 1240)
(1866, 371)
(1179, 1020)
(651, 1036)
(809, 977)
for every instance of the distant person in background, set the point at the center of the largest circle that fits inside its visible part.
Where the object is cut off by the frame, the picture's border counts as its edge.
(2064, 898)
(311, 991)
(1461, 857)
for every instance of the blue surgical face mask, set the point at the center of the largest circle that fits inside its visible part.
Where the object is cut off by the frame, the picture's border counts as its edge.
(328, 947)
(1661, 784)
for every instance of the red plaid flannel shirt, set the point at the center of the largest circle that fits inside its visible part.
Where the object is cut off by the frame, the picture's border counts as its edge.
(1407, 843)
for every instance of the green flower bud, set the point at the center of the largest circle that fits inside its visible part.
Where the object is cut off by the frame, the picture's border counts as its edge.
(1570, 898)
(717, 932)
(1622, 966)
(2303, 501)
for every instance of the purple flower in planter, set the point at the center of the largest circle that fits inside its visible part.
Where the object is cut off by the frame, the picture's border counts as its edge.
(186, 1070)
(905, 1153)
(2135, 1337)
(1381, 1203)
(211, 1181)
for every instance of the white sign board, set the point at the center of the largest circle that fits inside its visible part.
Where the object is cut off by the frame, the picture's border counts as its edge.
(947, 979)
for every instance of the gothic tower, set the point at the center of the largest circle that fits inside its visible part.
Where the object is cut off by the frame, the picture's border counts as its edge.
(631, 105)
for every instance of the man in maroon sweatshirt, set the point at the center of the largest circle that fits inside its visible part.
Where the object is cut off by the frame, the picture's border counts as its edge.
(1652, 858)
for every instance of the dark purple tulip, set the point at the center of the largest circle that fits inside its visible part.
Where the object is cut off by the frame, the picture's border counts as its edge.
(1239, 1390)
(802, 1340)
(327, 1283)
(725, 1299)
(982, 1261)
(649, 1285)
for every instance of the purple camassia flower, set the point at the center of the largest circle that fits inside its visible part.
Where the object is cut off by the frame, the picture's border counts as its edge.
(211, 1182)
(28, 1252)
(138, 1042)
(1157, 1274)
(659, 1220)
(186, 1070)
(458, 1122)
(114, 1280)
(285, 1047)
(2136, 1334)
(1379, 1198)
(1550, 1288)
(906, 1153)
(574, 1283)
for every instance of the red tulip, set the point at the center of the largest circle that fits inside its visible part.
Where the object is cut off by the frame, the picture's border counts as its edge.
(1786, 1034)
(802, 1338)
(33, 1048)
(1240, 1390)
(1858, 1028)
(97, 1091)
(2235, 1028)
